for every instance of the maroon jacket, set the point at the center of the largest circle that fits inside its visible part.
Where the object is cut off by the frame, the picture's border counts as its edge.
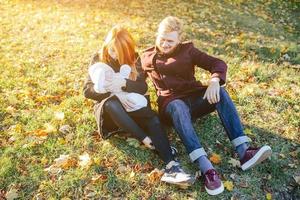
(173, 75)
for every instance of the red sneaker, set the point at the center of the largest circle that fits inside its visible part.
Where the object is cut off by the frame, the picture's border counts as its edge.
(213, 183)
(254, 156)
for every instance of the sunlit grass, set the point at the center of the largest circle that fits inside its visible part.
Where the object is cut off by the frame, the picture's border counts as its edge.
(45, 48)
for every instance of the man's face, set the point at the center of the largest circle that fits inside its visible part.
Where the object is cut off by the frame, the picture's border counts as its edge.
(167, 42)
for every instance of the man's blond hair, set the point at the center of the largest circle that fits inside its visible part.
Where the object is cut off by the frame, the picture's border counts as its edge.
(170, 24)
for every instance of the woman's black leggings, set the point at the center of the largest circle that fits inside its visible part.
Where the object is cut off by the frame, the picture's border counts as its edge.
(141, 123)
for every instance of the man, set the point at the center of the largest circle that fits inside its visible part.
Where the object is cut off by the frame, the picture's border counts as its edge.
(170, 65)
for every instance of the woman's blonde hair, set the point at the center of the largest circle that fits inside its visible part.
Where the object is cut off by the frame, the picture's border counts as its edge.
(121, 41)
(170, 24)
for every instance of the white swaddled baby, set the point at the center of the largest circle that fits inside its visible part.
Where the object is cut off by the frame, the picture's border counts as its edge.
(99, 72)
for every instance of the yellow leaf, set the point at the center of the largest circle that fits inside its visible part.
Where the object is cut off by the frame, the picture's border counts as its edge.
(228, 185)
(131, 174)
(268, 196)
(49, 128)
(61, 141)
(215, 158)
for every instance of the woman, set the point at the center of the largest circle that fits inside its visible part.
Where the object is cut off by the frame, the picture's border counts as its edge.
(170, 64)
(119, 49)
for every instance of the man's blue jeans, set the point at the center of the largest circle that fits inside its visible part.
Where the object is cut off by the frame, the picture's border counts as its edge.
(183, 111)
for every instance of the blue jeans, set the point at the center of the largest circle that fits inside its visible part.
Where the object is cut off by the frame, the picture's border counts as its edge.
(183, 111)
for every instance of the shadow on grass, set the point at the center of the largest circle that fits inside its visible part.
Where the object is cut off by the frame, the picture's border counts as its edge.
(275, 175)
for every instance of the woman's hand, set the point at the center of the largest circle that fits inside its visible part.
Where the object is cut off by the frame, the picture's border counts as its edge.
(213, 91)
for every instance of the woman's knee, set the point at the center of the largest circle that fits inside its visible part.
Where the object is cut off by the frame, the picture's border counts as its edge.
(112, 105)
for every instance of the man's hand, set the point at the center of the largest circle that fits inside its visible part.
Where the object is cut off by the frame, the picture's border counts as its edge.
(213, 91)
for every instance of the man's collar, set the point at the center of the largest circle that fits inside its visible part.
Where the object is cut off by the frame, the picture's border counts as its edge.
(159, 53)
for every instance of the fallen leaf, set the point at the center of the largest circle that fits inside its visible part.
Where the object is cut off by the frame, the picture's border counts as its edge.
(268, 196)
(155, 175)
(291, 165)
(243, 184)
(122, 169)
(132, 174)
(40, 133)
(99, 178)
(59, 115)
(12, 194)
(65, 129)
(85, 160)
(297, 179)
(232, 176)
(234, 162)
(228, 185)
(249, 132)
(49, 128)
(215, 158)
(63, 162)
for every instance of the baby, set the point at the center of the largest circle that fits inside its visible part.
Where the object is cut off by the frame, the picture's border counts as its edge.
(101, 72)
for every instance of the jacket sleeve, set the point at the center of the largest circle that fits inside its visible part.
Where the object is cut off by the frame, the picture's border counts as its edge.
(88, 87)
(139, 85)
(214, 65)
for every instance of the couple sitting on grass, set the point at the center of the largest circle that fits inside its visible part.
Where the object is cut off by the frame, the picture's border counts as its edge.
(116, 81)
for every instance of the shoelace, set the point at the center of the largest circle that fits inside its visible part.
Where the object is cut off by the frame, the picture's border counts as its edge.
(211, 174)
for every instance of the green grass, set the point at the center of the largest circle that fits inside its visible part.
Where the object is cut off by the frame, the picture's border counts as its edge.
(45, 47)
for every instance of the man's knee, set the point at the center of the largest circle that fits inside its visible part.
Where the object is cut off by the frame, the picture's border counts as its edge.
(223, 93)
(177, 107)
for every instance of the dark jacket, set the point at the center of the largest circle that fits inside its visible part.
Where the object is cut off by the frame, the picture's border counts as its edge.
(106, 126)
(173, 75)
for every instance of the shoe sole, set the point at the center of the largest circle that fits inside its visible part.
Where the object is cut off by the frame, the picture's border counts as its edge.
(184, 183)
(215, 191)
(260, 156)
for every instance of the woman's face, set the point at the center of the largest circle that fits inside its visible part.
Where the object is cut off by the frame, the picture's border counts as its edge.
(112, 53)
(167, 42)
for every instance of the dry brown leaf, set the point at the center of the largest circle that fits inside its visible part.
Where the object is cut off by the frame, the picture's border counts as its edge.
(99, 178)
(155, 175)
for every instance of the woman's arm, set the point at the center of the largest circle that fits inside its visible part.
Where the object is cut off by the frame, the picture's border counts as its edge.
(88, 87)
(90, 93)
(140, 85)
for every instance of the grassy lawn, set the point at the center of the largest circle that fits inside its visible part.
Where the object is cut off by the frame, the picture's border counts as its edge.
(45, 47)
